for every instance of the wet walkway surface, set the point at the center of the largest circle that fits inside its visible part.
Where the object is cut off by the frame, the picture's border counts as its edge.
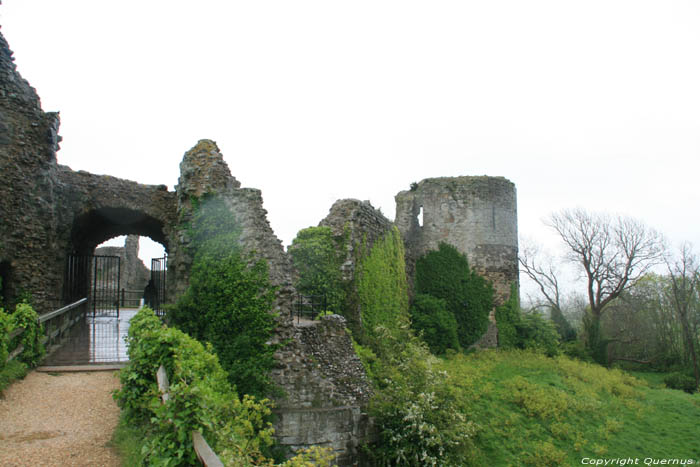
(95, 340)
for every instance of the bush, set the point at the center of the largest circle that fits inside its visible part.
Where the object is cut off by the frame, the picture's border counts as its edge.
(12, 371)
(25, 317)
(507, 318)
(415, 411)
(318, 262)
(228, 304)
(201, 398)
(446, 274)
(537, 333)
(677, 380)
(229, 300)
(5, 329)
(576, 349)
(436, 325)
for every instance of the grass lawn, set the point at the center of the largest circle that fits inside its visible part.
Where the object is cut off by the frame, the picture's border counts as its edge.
(535, 410)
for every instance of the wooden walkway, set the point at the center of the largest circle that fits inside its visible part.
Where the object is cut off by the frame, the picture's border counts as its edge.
(94, 342)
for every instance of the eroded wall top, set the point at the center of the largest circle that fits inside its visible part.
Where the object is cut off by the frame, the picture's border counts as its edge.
(476, 215)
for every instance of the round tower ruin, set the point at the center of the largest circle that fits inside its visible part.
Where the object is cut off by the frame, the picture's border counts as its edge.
(476, 215)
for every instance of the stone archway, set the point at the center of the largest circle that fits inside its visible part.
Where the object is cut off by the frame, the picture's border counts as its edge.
(99, 225)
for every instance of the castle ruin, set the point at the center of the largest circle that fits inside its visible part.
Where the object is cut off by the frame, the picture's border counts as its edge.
(49, 212)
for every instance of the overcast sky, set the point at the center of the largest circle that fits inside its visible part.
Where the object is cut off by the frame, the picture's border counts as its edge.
(592, 104)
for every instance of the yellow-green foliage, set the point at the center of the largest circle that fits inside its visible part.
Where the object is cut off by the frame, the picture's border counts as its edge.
(535, 410)
(381, 285)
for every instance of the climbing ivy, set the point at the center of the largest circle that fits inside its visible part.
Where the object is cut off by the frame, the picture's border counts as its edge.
(229, 299)
(25, 317)
(381, 285)
(445, 274)
(317, 259)
(508, 317)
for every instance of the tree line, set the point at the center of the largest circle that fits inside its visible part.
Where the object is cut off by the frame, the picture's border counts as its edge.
(636, 299)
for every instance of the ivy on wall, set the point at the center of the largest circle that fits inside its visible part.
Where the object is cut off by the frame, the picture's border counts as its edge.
(508, 317)
(445, 273)
(381, 285)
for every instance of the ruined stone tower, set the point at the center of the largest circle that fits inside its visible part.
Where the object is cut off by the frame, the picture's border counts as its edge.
(476, 215)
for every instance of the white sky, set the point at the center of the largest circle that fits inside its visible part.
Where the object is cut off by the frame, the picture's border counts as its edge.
(580, 103)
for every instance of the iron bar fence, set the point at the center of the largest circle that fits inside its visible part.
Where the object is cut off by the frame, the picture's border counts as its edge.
(155, 291)
(97, 278)
(309, 306)
(131, 298)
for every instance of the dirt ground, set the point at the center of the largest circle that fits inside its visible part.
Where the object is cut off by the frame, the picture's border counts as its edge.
(59, 419)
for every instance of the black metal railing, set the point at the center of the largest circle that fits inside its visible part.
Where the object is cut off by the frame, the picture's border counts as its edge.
(131, 298)
(309, 306)
(155, 290)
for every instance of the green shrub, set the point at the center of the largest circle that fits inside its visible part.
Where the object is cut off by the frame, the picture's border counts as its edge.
(678, 380)
(228, 304)
(576, 349)
(537, 333)
(318, 262)
(5, 329)
(566, 332)
(12, 371)
(201, 398)
(25, 317)
(436, 325)
(229, 299)
(414, 408)
(446, 274)
(507, 318)
(382, 287)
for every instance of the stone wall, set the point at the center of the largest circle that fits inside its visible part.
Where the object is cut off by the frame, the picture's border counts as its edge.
(476, 215)
(323, 382)
(354, 223)
(326, 391)
(203, 172)
(28, 145)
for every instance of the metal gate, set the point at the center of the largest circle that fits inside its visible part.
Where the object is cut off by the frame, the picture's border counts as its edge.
(98, 279)
(155, 294)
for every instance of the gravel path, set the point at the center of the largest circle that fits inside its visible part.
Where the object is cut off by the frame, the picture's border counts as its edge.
(60, 419)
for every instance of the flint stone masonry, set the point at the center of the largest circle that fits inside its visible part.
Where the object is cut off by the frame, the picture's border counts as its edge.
(327, 389)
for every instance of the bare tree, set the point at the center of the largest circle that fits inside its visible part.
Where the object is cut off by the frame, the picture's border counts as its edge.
(683, 295)
(541, 269)
(613, 253)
